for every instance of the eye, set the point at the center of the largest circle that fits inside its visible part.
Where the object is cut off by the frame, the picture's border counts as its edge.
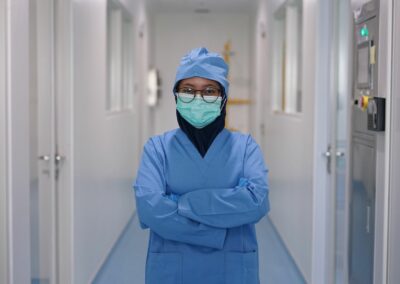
(210, 91)
(187, 90)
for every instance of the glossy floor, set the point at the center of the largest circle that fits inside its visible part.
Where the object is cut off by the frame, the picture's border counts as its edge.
(126, 263)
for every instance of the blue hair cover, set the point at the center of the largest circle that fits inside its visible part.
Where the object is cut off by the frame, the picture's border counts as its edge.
(199, 62)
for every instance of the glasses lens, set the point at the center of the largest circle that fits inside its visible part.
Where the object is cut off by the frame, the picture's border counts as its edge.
(211, 99)
(210, 94)
(185, 97)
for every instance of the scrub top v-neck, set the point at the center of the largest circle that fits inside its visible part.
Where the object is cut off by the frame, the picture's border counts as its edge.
(206, 235)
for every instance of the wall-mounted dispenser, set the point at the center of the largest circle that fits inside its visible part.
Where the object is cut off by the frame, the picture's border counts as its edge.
(375, 108)
(153, 87)
(376, 114)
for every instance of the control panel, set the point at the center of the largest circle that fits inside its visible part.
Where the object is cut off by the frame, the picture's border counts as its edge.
(366, 97)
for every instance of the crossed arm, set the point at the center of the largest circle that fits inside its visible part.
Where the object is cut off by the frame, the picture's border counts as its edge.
(200, 217)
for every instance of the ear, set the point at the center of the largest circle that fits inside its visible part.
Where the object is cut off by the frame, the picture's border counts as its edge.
(223, 90)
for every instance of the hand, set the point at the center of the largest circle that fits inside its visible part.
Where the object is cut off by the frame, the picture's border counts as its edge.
(243, 182)
(173, 197)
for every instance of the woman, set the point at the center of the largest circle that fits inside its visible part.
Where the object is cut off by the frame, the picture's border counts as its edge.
(201, 188)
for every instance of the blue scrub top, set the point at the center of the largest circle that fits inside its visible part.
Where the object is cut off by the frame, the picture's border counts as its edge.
(201, 211)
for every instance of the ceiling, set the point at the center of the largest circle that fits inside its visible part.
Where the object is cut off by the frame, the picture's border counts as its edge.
(201, 6)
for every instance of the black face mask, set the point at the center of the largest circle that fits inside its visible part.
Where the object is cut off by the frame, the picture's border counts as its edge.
(203, 138)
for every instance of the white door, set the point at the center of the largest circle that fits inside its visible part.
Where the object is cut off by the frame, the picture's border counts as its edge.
(43, 144)
(341, 107)
(332, 143)
(50, 114)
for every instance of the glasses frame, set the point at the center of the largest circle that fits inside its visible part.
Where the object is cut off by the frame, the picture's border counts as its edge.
(177, 92)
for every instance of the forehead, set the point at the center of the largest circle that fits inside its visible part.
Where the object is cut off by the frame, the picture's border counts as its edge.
(198, 81)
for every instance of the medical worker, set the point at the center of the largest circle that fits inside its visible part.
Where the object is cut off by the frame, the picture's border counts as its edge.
(201, 188)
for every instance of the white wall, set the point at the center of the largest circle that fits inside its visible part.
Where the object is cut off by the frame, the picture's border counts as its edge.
(173, 35)
(104, 146)
(259, 86)
(145, 122)
(288, 143)
(3, 196)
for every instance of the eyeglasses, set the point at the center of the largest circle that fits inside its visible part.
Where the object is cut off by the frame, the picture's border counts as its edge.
(187, 94)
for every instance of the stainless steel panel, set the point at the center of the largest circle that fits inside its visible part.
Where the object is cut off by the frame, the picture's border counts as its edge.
(363, 157)
(362, 214)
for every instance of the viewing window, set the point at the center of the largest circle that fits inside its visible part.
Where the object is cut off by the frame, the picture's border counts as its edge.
(120, 57)
(286, 58)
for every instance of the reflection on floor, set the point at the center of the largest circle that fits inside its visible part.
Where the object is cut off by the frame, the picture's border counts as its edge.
(40, 281)
(126, 263)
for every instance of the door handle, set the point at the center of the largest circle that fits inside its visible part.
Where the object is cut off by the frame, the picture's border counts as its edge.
(367, 226)
(328, 156)
(45, 158)
(339, 154)
(59, 158)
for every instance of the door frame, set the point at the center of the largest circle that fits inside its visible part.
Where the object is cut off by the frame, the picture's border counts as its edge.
(14, 101)
(384, 140)
(3, 151)
(393, 273)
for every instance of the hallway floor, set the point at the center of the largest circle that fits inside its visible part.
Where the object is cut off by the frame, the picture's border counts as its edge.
(126, 263)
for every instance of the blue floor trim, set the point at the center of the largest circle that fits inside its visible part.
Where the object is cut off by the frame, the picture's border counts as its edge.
(126, 262)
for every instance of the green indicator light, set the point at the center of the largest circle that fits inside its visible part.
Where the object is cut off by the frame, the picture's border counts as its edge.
(364, 31)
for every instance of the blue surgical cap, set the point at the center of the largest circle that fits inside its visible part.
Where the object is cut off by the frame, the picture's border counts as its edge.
(199, 62)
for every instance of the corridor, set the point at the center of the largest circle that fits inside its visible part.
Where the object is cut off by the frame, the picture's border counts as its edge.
(240, 141)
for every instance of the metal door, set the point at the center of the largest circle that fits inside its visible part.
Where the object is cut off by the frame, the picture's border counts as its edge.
(362, 211)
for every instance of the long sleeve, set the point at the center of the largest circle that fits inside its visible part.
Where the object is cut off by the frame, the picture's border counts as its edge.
(230, 207)
(160, 213)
